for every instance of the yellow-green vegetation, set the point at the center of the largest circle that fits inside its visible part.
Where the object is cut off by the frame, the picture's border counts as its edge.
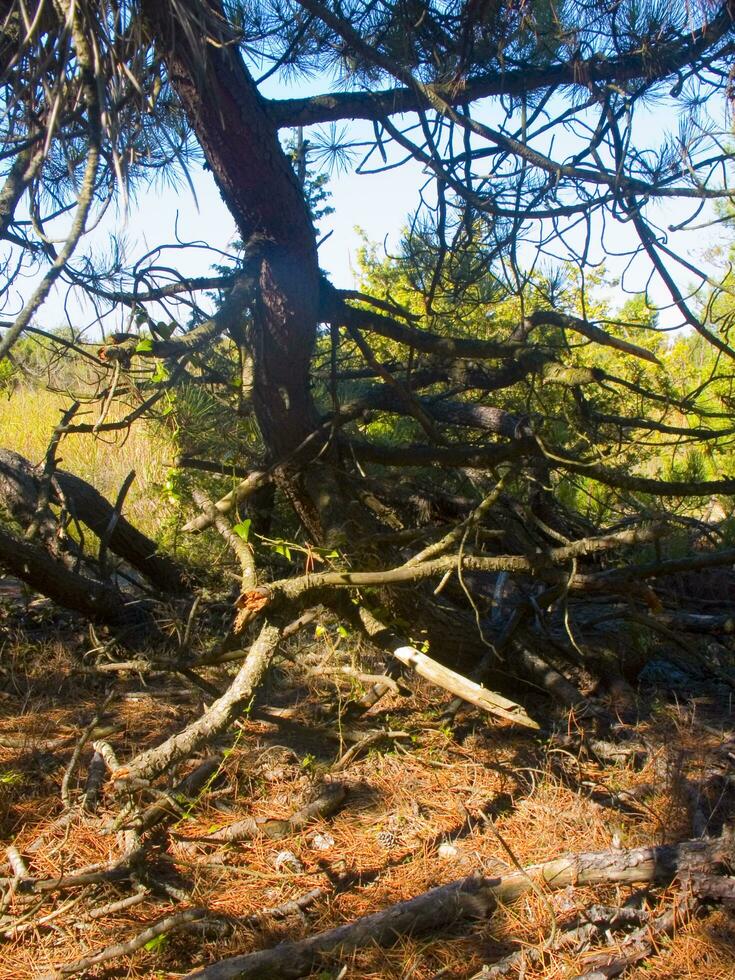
(670, 420)
(27, 421)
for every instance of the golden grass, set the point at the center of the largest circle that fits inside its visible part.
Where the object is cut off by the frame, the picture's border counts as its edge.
(27, 421)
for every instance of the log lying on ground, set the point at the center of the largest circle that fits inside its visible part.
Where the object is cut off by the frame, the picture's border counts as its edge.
(126, 541)
(19, 497)
(101, 602)
(472, 897)
(19, 484)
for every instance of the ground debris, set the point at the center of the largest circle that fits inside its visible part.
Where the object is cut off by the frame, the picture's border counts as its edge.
(192, 854)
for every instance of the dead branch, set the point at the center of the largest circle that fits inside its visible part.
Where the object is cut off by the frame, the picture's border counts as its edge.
(642, 943)
(330, 799)
(372, 738)
(241, 549)
(472, 897)
(172, 805)
(78, 749)
(126, 541)
(595, 923)
(101, 602)
(216, 719)
(23, 492)
(449, 680)
(254, 481)
(295, 907)
(119, 870)
(170, 923)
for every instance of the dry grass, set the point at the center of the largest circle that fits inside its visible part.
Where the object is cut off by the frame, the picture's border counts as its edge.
(405, 801)
(27, 421)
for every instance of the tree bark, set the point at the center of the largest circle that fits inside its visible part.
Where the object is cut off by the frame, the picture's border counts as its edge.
(125, 540)
(19, 488)
(258, 185)
(102, 603)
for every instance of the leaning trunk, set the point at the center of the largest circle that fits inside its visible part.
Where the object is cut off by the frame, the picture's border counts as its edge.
(258, 185)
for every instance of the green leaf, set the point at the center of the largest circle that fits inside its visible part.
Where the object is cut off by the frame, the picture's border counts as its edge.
(156, 943)
(144, 346)
(283, 549)
(160, 374)
(242, 530)
(342, 631)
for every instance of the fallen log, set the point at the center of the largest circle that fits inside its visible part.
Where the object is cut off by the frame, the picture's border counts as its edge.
(20, 489)
(472, 897)
(126, 541)
(49, 576)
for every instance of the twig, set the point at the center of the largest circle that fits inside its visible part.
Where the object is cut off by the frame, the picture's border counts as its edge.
(77, 753)
(161, 928)
(19, 927)
(124, 903)
(49, 467)
(107, 404)
(373, 738)
(295, 907)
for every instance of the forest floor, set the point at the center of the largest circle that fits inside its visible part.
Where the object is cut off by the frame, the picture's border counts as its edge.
(424, 805)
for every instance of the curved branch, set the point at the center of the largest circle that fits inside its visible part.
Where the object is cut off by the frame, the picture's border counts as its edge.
(227, 319)
(336, 311)
(216, 719)
(646, 63)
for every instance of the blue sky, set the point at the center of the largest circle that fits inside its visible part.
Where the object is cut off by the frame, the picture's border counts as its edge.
(379, 204)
